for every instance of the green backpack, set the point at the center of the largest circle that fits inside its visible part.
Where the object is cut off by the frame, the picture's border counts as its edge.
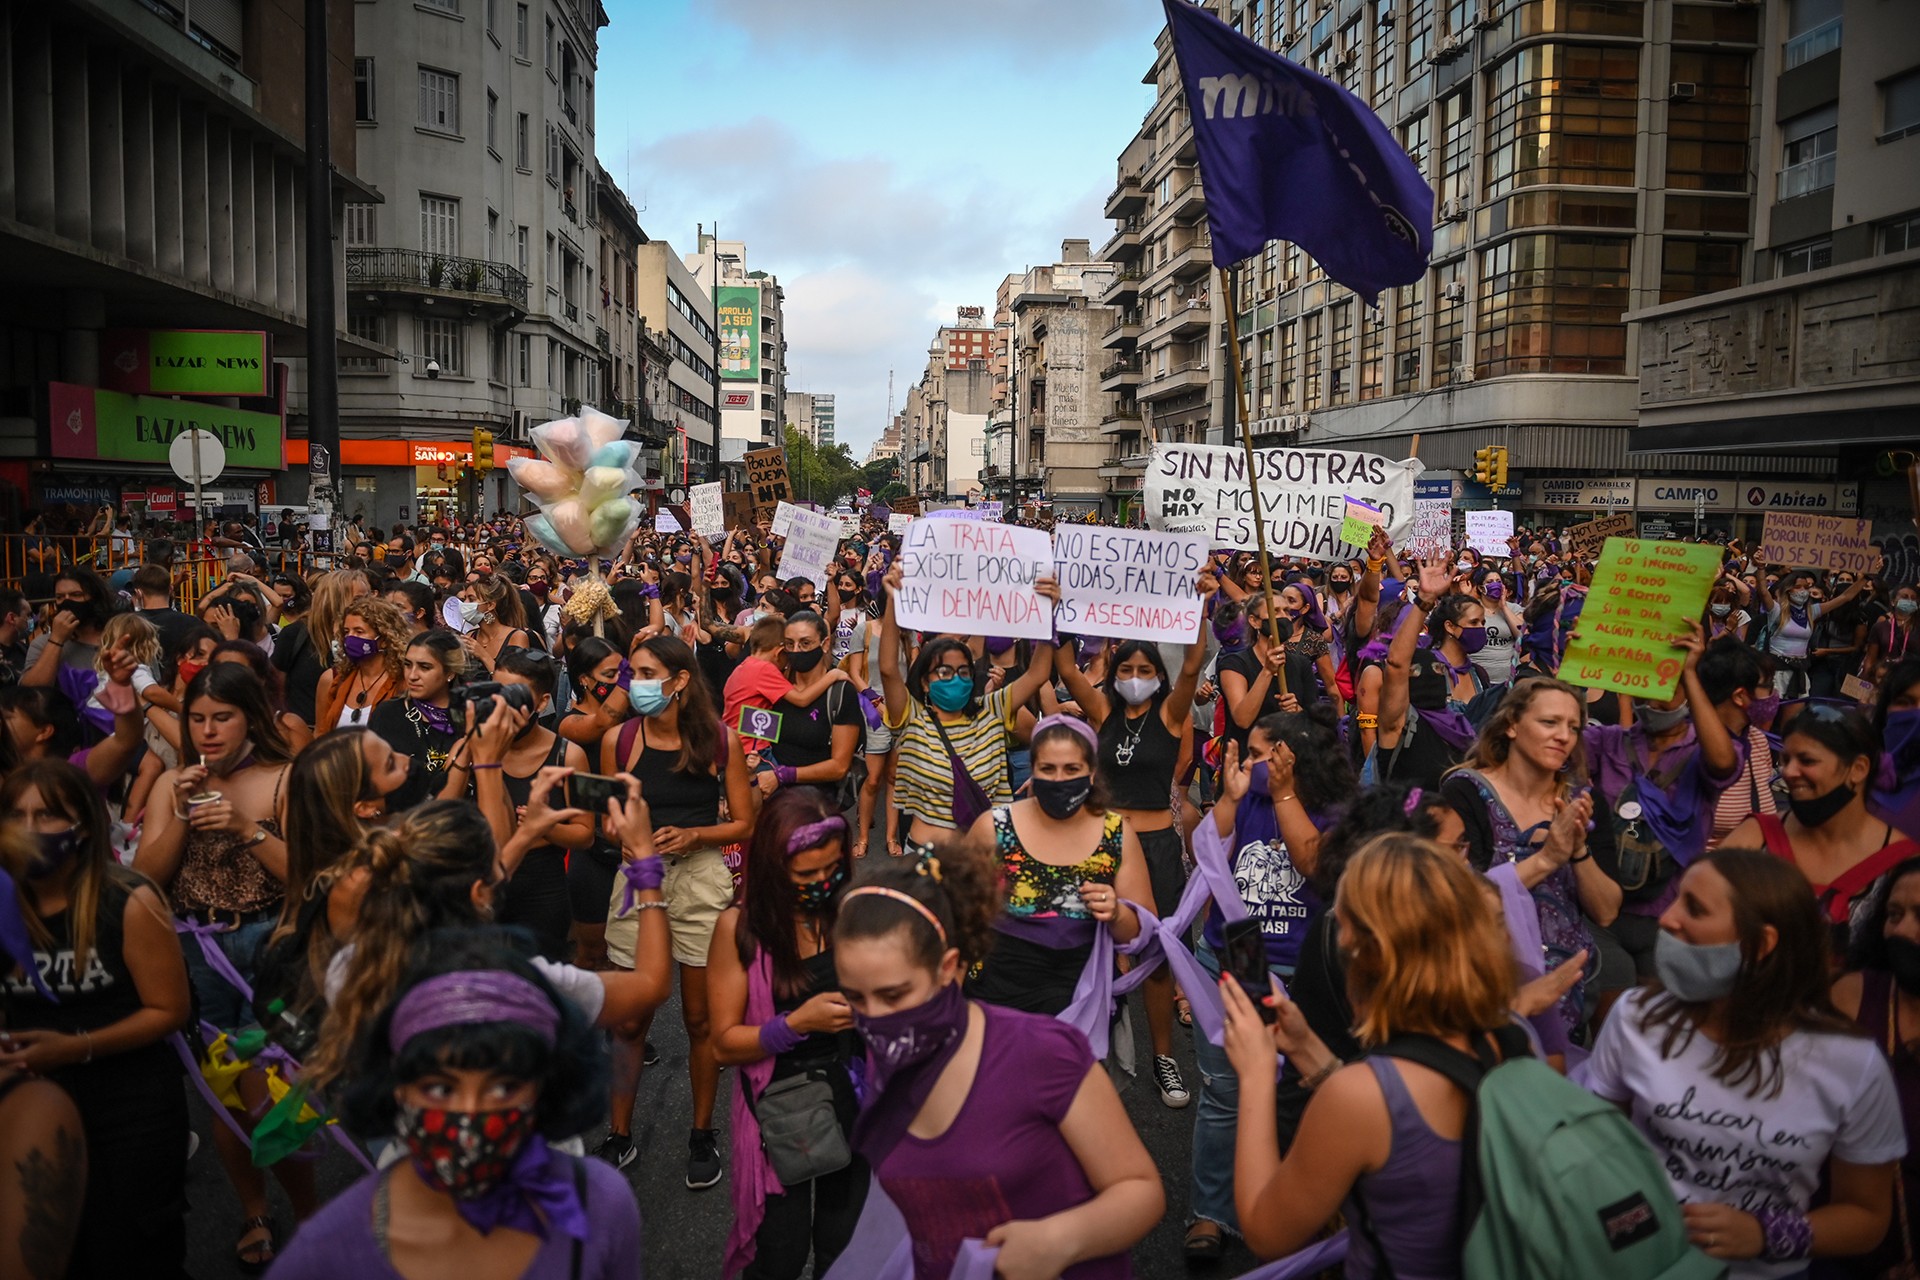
(1554, 1182)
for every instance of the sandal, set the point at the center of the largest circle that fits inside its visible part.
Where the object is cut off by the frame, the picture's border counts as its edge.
(1184, 1010)
(248, 1257)
(1205, 1242)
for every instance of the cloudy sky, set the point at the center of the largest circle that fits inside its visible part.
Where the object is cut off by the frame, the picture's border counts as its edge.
(889, 160)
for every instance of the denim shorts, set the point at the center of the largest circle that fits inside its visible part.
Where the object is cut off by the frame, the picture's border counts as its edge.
(220, 1003)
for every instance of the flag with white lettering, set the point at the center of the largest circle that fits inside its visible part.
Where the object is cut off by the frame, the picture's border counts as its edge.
(1290, 155)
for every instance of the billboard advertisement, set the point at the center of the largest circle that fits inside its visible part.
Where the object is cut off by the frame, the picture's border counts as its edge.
(186, 362)
(737, 316)
(90, 423)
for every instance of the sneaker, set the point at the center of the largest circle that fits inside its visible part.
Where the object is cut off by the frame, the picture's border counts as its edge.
(703, 1161)
(649, 1056)
(617, 1150)
(1173, 1089)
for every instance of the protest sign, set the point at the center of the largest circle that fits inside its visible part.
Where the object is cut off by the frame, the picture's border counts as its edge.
(664, 521)
(1801, 541)
(897, 523)
(767, 478)
(905, 505)
(1488, 531)
(1359, 522)
(812, 537)
(762, 724)
(1585, 539)
(1194, 488)
(989, 509)
(739, 508)
(782, 518)
(1127, 584)
(849, 526)
(1432, 526)
(709, 509)
(954, 513)
(1643, 595)
(975, 578)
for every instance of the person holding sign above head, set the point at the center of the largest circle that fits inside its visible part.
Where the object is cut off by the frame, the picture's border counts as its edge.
(1145, 726)
(950, 738)
(1261, 679)
(1790, 620)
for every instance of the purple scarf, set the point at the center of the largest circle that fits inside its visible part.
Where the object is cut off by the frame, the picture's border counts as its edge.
(438, 719)
(537, 1196)
(897, 1096)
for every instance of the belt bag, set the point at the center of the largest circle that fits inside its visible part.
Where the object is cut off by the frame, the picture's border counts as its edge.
(800, 1131)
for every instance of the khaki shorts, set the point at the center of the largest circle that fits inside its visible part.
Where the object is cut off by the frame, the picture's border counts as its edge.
(697, 887)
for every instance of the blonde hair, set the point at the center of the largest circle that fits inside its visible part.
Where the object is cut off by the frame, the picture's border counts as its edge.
(498, 591)
(1495, 743)
(390, 624)
(332, 593)
(133, 633)
(1426, 950)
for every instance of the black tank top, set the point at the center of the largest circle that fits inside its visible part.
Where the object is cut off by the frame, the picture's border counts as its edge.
(674, 799)
(1137, 758)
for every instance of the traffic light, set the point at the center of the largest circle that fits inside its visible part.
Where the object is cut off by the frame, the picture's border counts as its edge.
(1499, 480)
(1483, 465)
(482, 449)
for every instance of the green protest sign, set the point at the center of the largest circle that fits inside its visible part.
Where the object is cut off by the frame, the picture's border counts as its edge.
(1643, 595)
(760, 723)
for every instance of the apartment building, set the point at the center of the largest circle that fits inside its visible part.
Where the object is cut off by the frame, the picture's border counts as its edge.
(753, 345)
(634, 358)
(1059, 409)
(811, 413)
(675, 305)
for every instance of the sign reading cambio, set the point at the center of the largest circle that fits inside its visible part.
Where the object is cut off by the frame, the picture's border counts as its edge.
(186, 362)
(975, 577)
(1128, 584)
(89, 423)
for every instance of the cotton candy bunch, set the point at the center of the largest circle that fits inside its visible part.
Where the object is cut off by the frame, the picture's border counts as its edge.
(580, 483)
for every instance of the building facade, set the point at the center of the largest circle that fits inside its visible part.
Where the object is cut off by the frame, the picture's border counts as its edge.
(676, 307)
(632, 358)
(1058, 407)
(753, 344)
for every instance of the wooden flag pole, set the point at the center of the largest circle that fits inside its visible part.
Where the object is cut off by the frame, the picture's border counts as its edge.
(1253, 479)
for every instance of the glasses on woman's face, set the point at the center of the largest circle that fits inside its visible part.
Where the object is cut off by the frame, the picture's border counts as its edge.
(945, 672)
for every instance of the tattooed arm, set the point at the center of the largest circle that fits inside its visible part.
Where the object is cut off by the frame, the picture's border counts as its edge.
(43, 1177)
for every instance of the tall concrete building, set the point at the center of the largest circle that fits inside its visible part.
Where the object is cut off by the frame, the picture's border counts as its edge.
(676, 306)
(753, 345)
(811, 414)
(823, 419)
(633, 356)
(948, 412)
(482, 265)
(891, 443)
(1588, 161)
(153, 183)
(1058, 406)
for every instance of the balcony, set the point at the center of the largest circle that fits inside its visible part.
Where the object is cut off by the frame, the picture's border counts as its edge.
(1124, 329)
(1191, 320)
(1187, 375)
(1810, 44)
(1119, 465)
(1126, 198)
(601, 340)
(573, 310)
(413, 271)
(1121, 422)
(1125, 244)
(1189, 204)
(1123, 288)
(1807, 177)
(1124, 372)
(1193, 261)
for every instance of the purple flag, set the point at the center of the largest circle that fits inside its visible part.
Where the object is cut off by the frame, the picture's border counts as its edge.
(1290, 155)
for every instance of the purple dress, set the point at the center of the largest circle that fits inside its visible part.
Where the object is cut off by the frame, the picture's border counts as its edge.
(1002, 1159)
(1412, 1200)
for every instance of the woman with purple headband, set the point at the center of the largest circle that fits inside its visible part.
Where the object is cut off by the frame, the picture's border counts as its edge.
(476, 1065)
(1072, 866)
(779, 1016)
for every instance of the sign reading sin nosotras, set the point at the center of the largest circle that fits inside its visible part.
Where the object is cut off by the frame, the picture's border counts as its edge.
(1643, 595)
(1197, 488)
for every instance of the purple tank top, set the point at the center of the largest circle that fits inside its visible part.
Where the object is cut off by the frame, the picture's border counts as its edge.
(1412, 1199)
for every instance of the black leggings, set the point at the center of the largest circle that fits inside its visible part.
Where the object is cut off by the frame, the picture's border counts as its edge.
(134, 1222)
(817, 1218)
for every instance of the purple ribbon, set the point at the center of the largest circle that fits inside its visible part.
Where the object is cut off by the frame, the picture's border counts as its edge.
(14, 938)
(216, 958)
(640, 874)
(536, 1196)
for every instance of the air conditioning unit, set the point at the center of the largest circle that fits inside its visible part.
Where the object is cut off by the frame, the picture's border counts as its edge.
(1345, 58)
(1485, 18)
(1326, 6)
(1387, 19)
(1463, 374)
(1453, 210)
(1682, 91)
(1454, 291)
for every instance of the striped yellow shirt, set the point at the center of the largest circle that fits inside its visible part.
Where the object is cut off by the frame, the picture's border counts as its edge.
(923, 773)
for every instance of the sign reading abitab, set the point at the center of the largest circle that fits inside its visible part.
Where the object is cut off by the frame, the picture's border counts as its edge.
(975, 577)
(1192, 488)
(186, 362)
(90, 423)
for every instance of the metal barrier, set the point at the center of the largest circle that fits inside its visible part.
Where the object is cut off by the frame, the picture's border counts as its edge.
(197, 569)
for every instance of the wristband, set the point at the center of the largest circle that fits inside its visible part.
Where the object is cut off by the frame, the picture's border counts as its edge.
(649, 591)
(476, 765)
(623, 679)
(776, 1037)
(641, 874)
(1585, 857)
(1788, 1235)
(1367, 721)
(785, 774)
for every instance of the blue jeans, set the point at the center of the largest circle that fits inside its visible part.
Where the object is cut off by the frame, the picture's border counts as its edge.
(1215, 1119)
(220, 1003)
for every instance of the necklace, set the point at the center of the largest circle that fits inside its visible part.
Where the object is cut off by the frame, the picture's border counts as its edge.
(1123, 751)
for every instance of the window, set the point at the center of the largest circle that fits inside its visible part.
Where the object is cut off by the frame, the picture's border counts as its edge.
(523, 357)
(549, 62)
(1406, 338)
(440, 225)
(497, 356)
(1901, 234)
(368, 326)
(521, 22)
(1552, 304)
(520, 249)
(1419, 23)
(357, 225)
(444, 341)
(1384, 48)
(493, 114)
(1813, 29)
(439, 100)
(553, 276)
(1373, 345)
(1340, 355)
(1287, 366)
(1806, 155)
(363, 90)
(1449, 319)
(1563, 114)
(1801, 258)
(493, 236)
(1456, 147)
(1900, 106)
(445, 6)
(493, 16)
(1689, 268)
(1314, 326)
(553, 154)
(522, 156)
(1707, 133)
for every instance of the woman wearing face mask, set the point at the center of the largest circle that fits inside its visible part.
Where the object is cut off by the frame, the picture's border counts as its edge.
(421, 724)
(1790, 622)
(1071, 866)
(686, 762)
(984, 1122)
(371, 668)
(494, 618)
(1145, 724)
(1726, 609)
(1251, 677)
(1890, 641)
(1830, 759)
(1738, 1069)
(1503, 625)
(1882, 995)
(64, 651)
(1524, 796)
(101, 1039)
(945, 730)
(1840, 636)
(477, 1065)
(818, 740)
(778, 1014)
(599, 675)
(1421, 725)
(307, 649)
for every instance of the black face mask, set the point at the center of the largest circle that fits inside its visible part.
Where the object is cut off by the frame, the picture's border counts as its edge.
(1903, 961)
(1339, 586)
(412, 791)
(1821, 809)
(804, 660)
(85, 612)
(1061, 798)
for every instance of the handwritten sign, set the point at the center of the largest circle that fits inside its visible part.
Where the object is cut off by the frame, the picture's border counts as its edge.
(782, 518)
(975, 578)
(1432, 526)
(1801, 541)
(1585, 539)
(739, 508)
(1488, 531)
(1359, 522)
(812, 537)
(897, 522)
(989, 509)
(1643, 595)
(708, 503)
(665, 521)
(767, 478)
(1129, 584)
(905, 505)
(1194, 488)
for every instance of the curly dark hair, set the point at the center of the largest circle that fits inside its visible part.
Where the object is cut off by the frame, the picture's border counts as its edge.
(1322, 773)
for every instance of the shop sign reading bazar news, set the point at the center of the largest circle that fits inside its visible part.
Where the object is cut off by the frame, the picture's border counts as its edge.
(86, 422)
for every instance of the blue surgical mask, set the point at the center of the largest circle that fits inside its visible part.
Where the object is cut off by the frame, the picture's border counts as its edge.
(951, 694)
(1695, 973)
(648, 697)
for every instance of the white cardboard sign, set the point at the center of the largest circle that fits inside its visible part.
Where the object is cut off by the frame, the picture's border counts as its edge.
(975, 578)
(1128, 584)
